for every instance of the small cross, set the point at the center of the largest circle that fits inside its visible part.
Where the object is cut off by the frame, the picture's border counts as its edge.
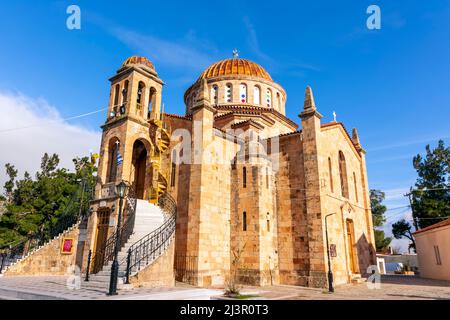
(334, 116)
(235, 53)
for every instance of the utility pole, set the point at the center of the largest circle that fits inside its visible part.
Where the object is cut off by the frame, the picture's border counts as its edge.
(409, 195)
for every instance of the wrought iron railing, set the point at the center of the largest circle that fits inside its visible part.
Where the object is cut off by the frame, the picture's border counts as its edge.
(151, 246)
(105, 253)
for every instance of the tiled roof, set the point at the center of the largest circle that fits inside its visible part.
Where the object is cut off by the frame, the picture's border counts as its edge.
(434, 226)
(235, 66)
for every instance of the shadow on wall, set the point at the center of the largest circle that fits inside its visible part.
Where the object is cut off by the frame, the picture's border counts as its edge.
(366, 254)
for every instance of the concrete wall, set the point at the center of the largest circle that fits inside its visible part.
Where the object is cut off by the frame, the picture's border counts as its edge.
(425, 243)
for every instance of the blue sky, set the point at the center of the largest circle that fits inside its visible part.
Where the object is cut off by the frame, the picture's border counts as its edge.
(392, 84)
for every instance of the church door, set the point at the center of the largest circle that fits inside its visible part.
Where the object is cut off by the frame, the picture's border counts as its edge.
(351, 245)
(102, 236)
(139, 165)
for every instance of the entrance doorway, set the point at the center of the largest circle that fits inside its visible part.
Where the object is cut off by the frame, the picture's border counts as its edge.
(102, 236)
(139, 162)
(351, 245)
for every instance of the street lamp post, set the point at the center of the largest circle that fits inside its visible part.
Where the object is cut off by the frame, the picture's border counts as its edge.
(121, 190)
(330, 272)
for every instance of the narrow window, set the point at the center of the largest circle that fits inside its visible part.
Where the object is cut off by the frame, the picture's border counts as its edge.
(267, 177)
(140, 93)
(330, 171)
(343, 175)
(244, 221)
(215, 94)
(356, 187)
(244, 177)
(174, 168)
(438, 255)
(151, 101)
(268, 222)
(125, 92)
(228, 92)
(243, 92)
(256, 95)
(116, 95)
(268, 98)
(278, 101)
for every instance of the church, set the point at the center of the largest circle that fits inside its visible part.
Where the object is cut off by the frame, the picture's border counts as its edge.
(232, 190)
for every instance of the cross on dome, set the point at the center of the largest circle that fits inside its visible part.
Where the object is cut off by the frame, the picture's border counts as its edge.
(235, 53)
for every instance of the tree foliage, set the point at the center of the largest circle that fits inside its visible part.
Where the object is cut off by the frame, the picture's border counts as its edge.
(402, 228)
(36, 206)
(378, 209)
(433, 170)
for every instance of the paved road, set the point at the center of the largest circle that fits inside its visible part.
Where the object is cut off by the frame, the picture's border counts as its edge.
(391, 288)
(56, 288)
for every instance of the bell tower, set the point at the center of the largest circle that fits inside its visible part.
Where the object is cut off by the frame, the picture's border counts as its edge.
(126, 147)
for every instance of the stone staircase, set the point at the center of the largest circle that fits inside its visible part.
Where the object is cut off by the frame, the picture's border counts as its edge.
(148, 218)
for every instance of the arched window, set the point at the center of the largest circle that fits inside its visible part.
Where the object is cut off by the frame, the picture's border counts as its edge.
(356, 186)
(116, 94)
(228, 92)
(174, 168)
(278, 101)
(125, 92)
(269, 98)
(140, 93)
(256, 95)
(330, 172)
(215, 94)
(268, 222)
(343, 175)
(243, 92)
(113, 150)
(267, 177)
(244, 177)
(151, 101)
(244, 221)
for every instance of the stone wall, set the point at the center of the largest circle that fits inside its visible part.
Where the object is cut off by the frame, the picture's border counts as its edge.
(159, 273)
(48, 260)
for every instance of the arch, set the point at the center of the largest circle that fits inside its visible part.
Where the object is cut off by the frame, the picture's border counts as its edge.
(330, 172)
(268, 98)
(256, 95)
(113, 150)
(243, 92)
(139, 165)
(228, 94)
(343, 175)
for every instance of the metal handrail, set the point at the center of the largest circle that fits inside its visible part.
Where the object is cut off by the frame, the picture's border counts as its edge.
(105, 253)
(151, 246)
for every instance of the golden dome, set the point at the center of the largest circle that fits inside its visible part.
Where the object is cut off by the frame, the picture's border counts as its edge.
(138, 60)
(235, 66)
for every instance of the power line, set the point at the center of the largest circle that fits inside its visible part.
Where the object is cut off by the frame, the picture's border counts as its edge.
(65, 119)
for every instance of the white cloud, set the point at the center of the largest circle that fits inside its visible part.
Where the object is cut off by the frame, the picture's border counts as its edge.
(30, 127)
(185, 53)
